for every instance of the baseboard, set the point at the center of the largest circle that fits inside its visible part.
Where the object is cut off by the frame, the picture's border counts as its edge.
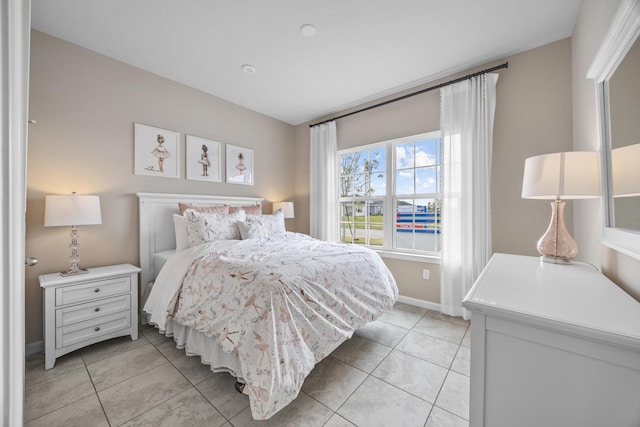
(34, 347)
(419, 303)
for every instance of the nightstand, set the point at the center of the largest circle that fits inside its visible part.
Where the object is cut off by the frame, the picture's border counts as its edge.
(88, 308)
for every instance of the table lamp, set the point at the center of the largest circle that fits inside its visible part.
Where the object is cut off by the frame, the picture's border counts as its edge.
(558, 176)
(285, 207)
(72, 210)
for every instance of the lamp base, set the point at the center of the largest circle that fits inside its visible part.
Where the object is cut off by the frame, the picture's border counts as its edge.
(556, 245)
(74, 258)
(555, 260)
(73, 270)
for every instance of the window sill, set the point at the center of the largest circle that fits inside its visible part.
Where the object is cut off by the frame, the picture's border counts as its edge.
(428, 258)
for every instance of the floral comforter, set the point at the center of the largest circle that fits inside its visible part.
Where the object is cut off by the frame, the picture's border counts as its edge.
(281, 305)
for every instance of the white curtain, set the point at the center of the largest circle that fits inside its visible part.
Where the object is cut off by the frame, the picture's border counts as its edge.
(467, 111)
(323, 203)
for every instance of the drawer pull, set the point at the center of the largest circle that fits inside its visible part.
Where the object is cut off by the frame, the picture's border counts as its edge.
(96, 309)
(96, 290)
(97, 328)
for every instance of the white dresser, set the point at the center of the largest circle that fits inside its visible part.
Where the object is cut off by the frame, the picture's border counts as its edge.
(87, 308)
(552, 345)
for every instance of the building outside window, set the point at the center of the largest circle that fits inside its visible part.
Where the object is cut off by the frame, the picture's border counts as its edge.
(391, 194)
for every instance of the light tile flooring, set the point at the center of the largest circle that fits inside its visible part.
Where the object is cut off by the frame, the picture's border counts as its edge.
(409, 368)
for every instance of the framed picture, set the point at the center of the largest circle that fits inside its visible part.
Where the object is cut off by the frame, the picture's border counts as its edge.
(203, 159)
(239, 165)
(156, 151)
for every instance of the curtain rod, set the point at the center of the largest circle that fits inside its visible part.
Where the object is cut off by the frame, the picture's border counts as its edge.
(409, 95)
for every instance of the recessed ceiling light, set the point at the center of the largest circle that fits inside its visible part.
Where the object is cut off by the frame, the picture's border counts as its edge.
(248, 68)
(308, 30)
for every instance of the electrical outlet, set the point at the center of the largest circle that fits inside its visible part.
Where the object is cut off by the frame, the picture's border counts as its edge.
(425, 274)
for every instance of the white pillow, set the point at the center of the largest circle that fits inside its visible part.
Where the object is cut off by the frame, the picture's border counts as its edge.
(180, 226)
(204, 228)
(273, 224)
(251, 230)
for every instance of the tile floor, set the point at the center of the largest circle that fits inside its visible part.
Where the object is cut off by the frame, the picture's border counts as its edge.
(409, 368)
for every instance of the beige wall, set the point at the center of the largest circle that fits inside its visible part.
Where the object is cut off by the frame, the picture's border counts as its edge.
(533, 116)
(591, 26)
(408, 276)
(85, 105)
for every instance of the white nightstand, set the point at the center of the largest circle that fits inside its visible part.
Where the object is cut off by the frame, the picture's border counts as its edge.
(88, 308)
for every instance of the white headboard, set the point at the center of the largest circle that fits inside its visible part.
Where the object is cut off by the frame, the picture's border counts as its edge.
(156, 223)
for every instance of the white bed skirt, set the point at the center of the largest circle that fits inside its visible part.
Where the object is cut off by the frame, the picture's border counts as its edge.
(197, 344)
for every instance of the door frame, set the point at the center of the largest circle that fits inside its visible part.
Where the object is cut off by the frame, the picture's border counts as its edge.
(15, 25)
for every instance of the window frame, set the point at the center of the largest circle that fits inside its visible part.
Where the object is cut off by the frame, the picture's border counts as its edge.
(390, 199)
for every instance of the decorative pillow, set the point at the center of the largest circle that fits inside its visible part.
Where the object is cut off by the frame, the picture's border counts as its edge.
(252, 230)
(208, 227)
(180, 226)
(249, 210)
(203, 209)
(273, 224)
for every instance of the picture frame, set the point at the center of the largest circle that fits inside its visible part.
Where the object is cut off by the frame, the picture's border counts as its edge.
(156, 151)
(204, 159)
(239, 165)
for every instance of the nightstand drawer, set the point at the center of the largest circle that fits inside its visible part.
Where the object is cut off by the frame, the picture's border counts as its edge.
(81, 312)
(84, 331)
(92, 290)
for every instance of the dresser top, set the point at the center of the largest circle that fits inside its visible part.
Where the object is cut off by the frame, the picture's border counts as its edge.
(574, 297)
(56, 279)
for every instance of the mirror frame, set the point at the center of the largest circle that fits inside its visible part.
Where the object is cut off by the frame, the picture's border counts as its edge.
(623, 32)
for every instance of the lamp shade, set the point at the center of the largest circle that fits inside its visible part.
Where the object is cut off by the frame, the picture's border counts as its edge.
(71, 209)
(625, 171)
(285, 207)
(569, 175)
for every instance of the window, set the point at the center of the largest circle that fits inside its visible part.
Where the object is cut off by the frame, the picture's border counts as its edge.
(390, 194)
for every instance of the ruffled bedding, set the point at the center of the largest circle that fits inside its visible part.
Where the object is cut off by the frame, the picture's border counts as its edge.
(280, 305)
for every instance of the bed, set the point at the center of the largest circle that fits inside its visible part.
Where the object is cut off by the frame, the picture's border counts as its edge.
(265, 309)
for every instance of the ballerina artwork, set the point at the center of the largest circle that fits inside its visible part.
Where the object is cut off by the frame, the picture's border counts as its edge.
(161, 152)
(204, 160)
(157, 152)
(240, 166)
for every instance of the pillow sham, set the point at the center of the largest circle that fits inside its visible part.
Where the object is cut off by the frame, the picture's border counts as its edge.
(249, 210)
(251, 230)
(203, 209)
(273, 224)
(180, 226)
(209, 227)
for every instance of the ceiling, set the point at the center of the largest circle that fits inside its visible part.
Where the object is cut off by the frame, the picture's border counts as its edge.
(362, 50)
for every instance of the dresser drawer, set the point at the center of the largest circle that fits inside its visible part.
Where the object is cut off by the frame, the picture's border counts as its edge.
(92, 290)
(90, 310)
(91, 329)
